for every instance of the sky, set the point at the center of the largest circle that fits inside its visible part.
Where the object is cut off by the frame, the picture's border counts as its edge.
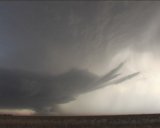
(58, 58)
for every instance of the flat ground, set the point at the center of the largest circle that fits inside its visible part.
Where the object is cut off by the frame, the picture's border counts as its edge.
(120, 121)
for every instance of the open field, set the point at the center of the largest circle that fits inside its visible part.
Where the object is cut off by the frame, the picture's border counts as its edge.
(125, 121)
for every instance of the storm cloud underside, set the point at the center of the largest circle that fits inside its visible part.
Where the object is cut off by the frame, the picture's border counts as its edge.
(52, 38)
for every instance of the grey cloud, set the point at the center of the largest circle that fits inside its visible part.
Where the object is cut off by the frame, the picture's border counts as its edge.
(52, 38)
(21, 89)
(40, 37)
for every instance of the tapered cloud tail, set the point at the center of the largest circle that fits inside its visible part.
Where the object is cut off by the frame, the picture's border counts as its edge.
(124, 78)
(111, 75)
(104, 84)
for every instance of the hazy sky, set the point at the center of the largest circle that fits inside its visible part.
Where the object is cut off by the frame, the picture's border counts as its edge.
(50, 49)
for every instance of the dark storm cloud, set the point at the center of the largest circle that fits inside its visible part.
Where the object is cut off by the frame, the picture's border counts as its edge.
(54, 37)
(35, 36)
(19, 89)
(41, 36)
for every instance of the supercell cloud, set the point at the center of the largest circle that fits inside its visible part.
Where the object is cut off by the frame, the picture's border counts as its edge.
(55, 57)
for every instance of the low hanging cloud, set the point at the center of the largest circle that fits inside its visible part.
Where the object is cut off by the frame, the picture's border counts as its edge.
(25, 90)
(54, 37)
